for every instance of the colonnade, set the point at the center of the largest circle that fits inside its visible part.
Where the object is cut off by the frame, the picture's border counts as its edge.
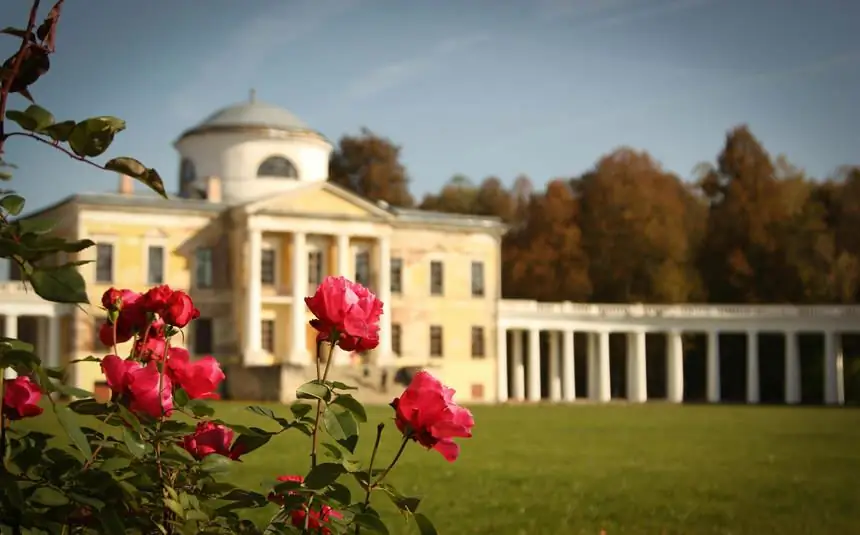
(525, 368)
(47, 343)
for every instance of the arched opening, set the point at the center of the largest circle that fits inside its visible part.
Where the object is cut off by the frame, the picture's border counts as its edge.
(277, 166)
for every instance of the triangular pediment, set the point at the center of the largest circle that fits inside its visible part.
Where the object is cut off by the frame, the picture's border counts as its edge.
(319, 199)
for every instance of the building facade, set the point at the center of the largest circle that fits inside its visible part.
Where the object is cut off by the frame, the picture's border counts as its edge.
(256, 226)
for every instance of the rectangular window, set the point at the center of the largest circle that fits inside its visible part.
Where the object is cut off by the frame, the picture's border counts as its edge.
(203, 336)
(437, 278)
(477, 279)
(477, 342)
(396, 335)
(362, 268)
(435, 341)
(315, 269)
(104, 262)
(155, 265)
(397, 275)
(267, 335)
(203, 267)
(267, 266)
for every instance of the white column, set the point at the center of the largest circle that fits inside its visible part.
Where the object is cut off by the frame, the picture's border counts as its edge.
(792, 368)
(833, 381)
(591, 348)
(568, 367)
(253, 298)
(343, 257)
(533, 392)
(298, 325)
(604, 386)
(10, 330)
(383, 351)
(675, 367)
(519, 382)
(713, 367)
(753, 381)
(638, 370)
(501, 364)
(554, 372)
(53, 351)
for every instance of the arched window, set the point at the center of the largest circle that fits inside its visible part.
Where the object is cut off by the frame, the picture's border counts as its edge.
(277, 166)
(187, 173)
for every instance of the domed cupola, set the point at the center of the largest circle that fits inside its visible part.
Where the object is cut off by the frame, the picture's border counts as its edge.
(256, 149)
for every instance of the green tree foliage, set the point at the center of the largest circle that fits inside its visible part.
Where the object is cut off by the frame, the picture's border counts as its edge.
(370, 166)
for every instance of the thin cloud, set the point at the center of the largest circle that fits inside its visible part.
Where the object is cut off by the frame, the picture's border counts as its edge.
(391, 75)
(243, 52)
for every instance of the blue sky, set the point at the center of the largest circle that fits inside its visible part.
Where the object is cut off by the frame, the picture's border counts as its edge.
(502, 87)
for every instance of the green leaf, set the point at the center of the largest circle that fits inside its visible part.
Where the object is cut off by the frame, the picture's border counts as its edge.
(92, 137)
(14, 343)
(111, 521)
(112, 464)
(67, 420)
(73, 391)
(352, 405)
(215, 463)
(323, 475)
(340, 424)
(36, 226)
(34, 118)
(89, 407)
(133, 442)
(371, 522)
(50, 497)
(60, 131)
(425, 527)
(175, 506)
(300, 408)
(20, 360)
(180, 397)
(263, 411)
(200, 408)
(247, 443)
(333, 450)
(339, 493)
(337, 385)
(314, 390)
(407, 504)
(59, 285)
(133, 168)
(13, 204)
(130, 418)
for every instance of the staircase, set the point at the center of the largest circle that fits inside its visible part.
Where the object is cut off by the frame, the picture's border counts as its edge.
(368, 380)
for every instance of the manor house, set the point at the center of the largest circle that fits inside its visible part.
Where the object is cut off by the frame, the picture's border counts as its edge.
(255, 227)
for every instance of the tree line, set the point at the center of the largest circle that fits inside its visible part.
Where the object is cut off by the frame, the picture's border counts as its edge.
(750, 228)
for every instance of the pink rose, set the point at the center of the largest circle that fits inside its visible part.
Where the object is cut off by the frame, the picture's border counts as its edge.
(317, 520)
(199, 379)
(151, 392)
(427, 414)
(210, 438)
(155, 299)
(347, 310)
(116, 372)
(21, 398)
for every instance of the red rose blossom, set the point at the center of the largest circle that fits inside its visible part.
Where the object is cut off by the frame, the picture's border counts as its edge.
(347, 310)
(179, 310)
(426, 413)
(21, 398)
(210, 438)
(317, 520)
(199, 379)
(148, 390)
(279, 498)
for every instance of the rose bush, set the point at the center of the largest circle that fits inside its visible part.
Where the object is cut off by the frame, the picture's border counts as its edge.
(152, 459)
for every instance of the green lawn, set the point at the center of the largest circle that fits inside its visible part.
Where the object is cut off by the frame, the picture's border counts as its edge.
(652, 469)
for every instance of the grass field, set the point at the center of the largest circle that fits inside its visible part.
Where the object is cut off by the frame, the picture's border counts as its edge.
(653, 469)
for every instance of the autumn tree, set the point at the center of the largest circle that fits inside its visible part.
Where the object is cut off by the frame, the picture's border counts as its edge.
(461, 196)
(543, 258)
(370, 166)
(634, 230)
(742, 260)
(456, 197)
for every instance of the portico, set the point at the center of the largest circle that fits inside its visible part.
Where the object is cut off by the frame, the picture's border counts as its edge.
(310, 250)
(26, 316)
(520, 364)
